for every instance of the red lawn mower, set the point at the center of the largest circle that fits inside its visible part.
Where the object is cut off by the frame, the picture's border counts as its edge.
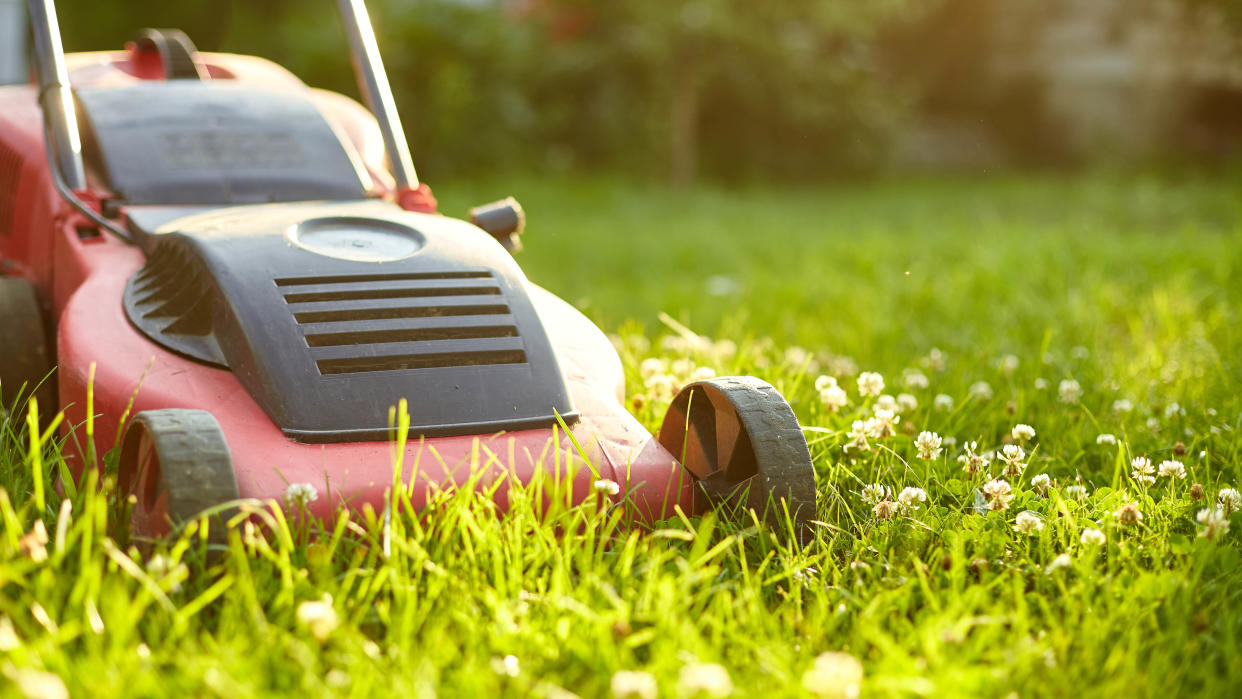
(258, 261)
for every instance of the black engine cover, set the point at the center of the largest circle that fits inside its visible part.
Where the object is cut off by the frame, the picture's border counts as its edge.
(329, 314)
(214, 142)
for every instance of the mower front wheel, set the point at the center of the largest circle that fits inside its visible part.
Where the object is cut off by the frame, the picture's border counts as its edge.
(740, 438)
(176, 464)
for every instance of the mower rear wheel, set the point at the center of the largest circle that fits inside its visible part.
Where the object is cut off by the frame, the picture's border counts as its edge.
(176, 464)
(741, 440)
(25, 362)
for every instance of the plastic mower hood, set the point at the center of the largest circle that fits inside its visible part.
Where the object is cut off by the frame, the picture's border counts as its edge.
(328, 315)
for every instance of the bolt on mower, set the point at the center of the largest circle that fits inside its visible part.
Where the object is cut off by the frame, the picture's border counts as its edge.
(256, 265)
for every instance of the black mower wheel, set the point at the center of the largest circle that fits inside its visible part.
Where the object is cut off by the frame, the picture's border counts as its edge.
(741, 440)
(176, 464)
(25, 362)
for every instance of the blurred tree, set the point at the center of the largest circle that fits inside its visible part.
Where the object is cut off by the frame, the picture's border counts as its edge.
(780, 76)
(727, 87)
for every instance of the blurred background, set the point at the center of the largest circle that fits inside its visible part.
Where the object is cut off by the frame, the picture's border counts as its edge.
(727, 90)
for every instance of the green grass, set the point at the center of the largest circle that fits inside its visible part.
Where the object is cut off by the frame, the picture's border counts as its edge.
(1126, 284)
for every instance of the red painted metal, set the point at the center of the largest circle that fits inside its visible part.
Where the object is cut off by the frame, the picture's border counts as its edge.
(81, 277)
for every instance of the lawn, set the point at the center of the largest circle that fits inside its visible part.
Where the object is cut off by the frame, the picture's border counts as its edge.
(1100, 310)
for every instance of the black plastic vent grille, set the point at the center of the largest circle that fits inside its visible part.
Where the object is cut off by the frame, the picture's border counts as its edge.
(10, 175)
(170, 290)
(403, 321)
(171, 299)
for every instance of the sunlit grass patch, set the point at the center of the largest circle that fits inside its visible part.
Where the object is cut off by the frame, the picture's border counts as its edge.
(986, 531)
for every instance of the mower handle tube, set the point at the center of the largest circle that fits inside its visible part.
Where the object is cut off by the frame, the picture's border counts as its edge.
(376, 92)
(55, 98)
(61, 139)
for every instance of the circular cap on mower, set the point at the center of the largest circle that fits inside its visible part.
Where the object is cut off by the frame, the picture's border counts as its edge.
(355, 238)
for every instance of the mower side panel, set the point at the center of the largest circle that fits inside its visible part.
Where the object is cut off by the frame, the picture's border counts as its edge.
(28, 203)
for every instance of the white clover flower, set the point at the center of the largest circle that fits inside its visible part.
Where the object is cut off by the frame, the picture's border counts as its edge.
(1041, 482)
(798, 357)
(1129, 514)
(886, 402)
(1106, 438)
(1153, 425)
(860, 566)
(1173, 410)
(1215, 522)
(823, 381)
(907, 402)
(885, 423)
(834, 675)
(319, 617)
(911, 497)
(870, 384)
(1092, 537)
(1041, 384)
(1008, 364)
(1014, 457)
(1122, 405)
(1172, 469)
(981, 390)
(834, 398)
(675, 344)
(606, 487)
(934, 360)
(871, 494)
(1069, 391)
(662, 385)
(631, 684)
(704, 679)
(652, 366)
(972, 461)
(885, 509)
(1079, 352)
(1142, 470)
(928, 445)
(859, 433)
(950, 441)
(998, 493)
(1022, 432)
(724, 349)
(842, 366)
(1076, 492)
(509, 666)
(1027, 522)
(299, 495)
(1058, 563)
(943, 402)
(915, 380)
(702, 373)
(1229, 499)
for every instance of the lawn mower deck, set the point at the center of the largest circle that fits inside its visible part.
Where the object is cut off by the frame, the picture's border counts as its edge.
(255, 265)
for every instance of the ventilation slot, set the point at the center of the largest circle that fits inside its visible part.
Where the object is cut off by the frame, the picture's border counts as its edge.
(419, 361)
(409, 335)
(10, 177)
(403, 293)
(403, 321)
(396, 277)
(411, 312)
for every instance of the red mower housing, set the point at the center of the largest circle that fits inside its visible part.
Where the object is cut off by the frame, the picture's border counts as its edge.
(256, 266)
